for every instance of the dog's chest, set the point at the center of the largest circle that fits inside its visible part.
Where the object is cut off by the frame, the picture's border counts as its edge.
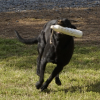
(58, 48)
(60, 41)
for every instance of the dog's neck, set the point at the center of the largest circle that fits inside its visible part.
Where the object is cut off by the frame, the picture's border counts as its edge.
(59, 36)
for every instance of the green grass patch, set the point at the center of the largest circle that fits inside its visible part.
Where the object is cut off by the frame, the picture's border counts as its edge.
(80, 78)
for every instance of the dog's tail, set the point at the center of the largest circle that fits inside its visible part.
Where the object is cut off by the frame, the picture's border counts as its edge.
(26, 41)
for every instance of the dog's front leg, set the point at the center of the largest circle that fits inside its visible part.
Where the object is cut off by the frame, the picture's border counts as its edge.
(55, 72)
(57, 80)
(41, 77)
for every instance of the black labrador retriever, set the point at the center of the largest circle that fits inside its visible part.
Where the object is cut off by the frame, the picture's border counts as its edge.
(53, 47)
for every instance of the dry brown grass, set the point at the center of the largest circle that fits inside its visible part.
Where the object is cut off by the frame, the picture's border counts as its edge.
(30, 23)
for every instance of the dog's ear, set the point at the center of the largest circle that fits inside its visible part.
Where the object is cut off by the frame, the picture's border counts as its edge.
(72, 26)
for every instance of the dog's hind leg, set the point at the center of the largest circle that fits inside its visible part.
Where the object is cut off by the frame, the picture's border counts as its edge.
(41, 46)
(57, 80)
(41, 77)
(39, 61)
(55, 72)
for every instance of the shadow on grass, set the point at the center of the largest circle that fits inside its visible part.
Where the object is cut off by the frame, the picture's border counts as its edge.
(92, 87)
(81, 89)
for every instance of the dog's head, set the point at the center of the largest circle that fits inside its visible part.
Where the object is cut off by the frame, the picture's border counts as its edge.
(65, 23)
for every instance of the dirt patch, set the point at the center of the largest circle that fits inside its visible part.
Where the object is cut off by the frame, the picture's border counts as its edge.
(30, 23)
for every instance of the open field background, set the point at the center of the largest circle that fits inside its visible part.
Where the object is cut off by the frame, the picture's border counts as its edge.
(80, 78)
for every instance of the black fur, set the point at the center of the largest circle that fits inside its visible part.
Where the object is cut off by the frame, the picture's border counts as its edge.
(59, 51)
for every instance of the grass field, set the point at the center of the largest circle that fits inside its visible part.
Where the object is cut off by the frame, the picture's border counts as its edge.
(80, 78)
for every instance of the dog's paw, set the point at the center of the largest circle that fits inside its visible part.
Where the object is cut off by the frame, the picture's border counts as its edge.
(44, 87)
(38, 85)
(57, 81)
